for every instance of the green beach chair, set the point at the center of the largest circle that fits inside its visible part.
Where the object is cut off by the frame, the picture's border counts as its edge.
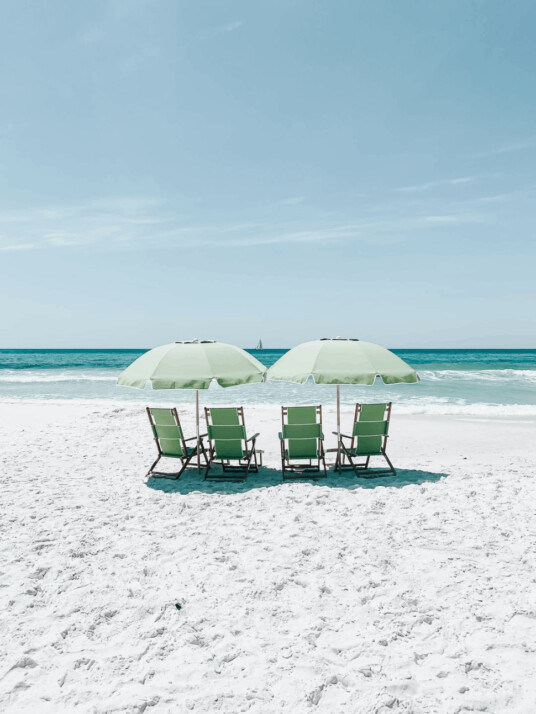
(170, 441)
(302, 442)
(369, 438)
(229, 443)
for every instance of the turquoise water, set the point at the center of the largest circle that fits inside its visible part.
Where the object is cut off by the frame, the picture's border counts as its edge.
(471, 382)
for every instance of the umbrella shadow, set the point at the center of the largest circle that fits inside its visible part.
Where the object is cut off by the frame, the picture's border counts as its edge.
(191, 481)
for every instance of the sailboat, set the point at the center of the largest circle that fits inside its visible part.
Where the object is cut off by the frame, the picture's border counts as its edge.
(259, 346)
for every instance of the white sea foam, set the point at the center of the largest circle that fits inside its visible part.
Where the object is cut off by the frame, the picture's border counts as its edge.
(478, 393)
(479, 375)
(106, 375)
(481, 409)
(423, 407)
(32, 376)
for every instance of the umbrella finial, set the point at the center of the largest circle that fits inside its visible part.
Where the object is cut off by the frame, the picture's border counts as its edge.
(195, 341)
(339, 339)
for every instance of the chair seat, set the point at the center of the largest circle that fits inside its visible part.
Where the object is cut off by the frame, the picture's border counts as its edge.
(304, 455)
(232, 458)
(189, 449)
(366, 452)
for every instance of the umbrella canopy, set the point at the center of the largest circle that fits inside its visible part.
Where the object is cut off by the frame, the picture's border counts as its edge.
(193, 364)
(341, 361)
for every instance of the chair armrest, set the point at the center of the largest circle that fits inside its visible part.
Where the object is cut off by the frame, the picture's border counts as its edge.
(343, 436)
(252, 438)
(191, 438)
(280, 436)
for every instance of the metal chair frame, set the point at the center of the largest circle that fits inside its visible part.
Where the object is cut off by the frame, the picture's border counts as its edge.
(185, 459)
(244, 465)
(309, 470)
(346, 453)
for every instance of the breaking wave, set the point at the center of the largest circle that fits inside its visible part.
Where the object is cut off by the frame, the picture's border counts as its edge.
(477, 393)
(33, 376)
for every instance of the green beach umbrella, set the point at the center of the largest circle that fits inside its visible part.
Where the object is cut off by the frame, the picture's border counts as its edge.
(193, 364)
(341, 361)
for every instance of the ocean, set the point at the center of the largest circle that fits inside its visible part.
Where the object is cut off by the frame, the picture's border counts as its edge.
(482, 383)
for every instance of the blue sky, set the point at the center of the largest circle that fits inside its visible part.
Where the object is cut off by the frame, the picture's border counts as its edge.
(284, 169)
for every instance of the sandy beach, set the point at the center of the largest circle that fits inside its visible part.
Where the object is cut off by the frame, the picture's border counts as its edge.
(407, 594)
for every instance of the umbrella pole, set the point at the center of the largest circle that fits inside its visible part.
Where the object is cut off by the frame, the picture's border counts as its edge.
(197, 427)
(338, 424)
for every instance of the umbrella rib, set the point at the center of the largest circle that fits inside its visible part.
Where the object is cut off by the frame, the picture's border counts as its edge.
(210, 369)
(156, 367)
(314, 366)
(373, 370)
(201, 379)
(210, 372)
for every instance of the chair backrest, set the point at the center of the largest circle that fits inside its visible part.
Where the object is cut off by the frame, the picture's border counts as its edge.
(302, 430)
(227, 431)
(167, 431)
(371, 428)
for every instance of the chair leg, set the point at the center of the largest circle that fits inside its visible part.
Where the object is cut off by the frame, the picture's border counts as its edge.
(337, 466)
(346, 454)
(204, 452)
(390, 464)
(186, 462)
(361, 472)
(152, 467)
(322, 458)
(248, 465)
(173, 475)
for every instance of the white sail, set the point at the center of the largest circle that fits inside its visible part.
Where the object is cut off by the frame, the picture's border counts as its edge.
(259, 345)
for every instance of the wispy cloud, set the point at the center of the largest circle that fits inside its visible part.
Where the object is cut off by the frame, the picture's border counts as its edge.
(433, 184)
(515, 194)
(197, 38)
(230, 26)
(135, 222)
(524, 145)
(91, 36)
(120, 219)
(449, 220)
(292, 201)
(258, 234)
(17, 246)
(211, 32)
(410, 224)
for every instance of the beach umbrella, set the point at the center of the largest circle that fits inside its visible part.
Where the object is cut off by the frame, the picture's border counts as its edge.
(193, 364)
(341, 361)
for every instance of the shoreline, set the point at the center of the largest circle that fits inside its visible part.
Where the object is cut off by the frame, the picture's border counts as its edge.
(185, 407)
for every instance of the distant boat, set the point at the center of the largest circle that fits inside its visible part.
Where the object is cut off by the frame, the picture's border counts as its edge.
(259, 345)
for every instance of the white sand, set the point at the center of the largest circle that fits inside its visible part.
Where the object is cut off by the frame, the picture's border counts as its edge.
(309, 597)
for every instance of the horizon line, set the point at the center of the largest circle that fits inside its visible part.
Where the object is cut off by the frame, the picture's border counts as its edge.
(265, 349)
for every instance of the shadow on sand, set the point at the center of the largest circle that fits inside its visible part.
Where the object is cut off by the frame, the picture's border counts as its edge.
(191, 481)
